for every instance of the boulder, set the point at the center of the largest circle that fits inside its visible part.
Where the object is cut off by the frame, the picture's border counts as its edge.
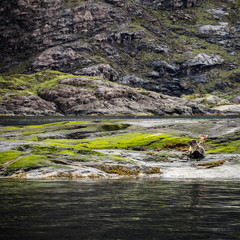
(203, 59)
(221, 29)
(235, 100)
(218, 12)
(162, 66)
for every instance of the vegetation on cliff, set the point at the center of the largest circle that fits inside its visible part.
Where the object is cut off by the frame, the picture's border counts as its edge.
(175, 48)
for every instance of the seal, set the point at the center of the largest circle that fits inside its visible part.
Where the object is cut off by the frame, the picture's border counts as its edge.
(197, 150)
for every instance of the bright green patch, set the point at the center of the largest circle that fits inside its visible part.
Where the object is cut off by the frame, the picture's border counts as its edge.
(32, 161)
(169, 142)
(24, 85)
(123, 141)
(227, 147)
(10, 128)
(67, 152)
(44, 150)
(9, 155)
(66, 143)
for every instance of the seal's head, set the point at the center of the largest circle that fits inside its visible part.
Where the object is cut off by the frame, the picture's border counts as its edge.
(203, 137)
(192, 142)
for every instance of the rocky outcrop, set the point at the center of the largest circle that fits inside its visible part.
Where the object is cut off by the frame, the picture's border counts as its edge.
(168, 4)
(35, 26)
(27, 106)
(84, 96)
(78, 96)
(172, 47)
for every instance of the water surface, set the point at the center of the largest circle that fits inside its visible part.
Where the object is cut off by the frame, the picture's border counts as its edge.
(34, 120)
(126, 209)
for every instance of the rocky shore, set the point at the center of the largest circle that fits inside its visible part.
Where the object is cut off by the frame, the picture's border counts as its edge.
(121, 148)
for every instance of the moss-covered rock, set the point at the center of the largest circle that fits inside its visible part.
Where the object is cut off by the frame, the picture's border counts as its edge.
(28, 162)
(9, 156)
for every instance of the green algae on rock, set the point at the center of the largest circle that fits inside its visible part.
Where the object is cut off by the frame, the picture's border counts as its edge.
(122, 148)
(29, 162)
(9, 155)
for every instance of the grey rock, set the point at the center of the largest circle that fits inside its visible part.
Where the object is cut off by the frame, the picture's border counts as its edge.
(104, 71)
(219, 12)
(160, 49)
(199, 78)
(167, 4)
(221, 29)
(235, 100)
(31, 105)
(100, 97)
(162, 66)
(205, 60)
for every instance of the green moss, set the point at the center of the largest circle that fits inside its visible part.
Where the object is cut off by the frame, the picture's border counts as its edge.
(44, 150)
(29, 162)
(67, 152)
(66, 143)
(9, 155)
(122, 141)
(23, 84)
(10, 128)
(169, 142)
(226, 147)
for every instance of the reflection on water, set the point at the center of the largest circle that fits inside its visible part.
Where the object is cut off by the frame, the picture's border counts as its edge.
(144, 209)
(33, 120)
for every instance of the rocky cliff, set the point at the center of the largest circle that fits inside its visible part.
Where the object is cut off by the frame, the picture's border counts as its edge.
(171, 47)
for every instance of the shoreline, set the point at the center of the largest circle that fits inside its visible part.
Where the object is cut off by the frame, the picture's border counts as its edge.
(120, 148)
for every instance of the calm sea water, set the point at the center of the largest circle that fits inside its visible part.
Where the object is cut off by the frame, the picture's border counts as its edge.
(126, 209)
(32, 120)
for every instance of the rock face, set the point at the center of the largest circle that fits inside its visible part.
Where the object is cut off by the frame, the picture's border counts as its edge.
(168, 4)
(173, 47)
(84, 96)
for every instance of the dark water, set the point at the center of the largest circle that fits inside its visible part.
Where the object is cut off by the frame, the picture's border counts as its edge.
(137, 209)
(28, 120)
